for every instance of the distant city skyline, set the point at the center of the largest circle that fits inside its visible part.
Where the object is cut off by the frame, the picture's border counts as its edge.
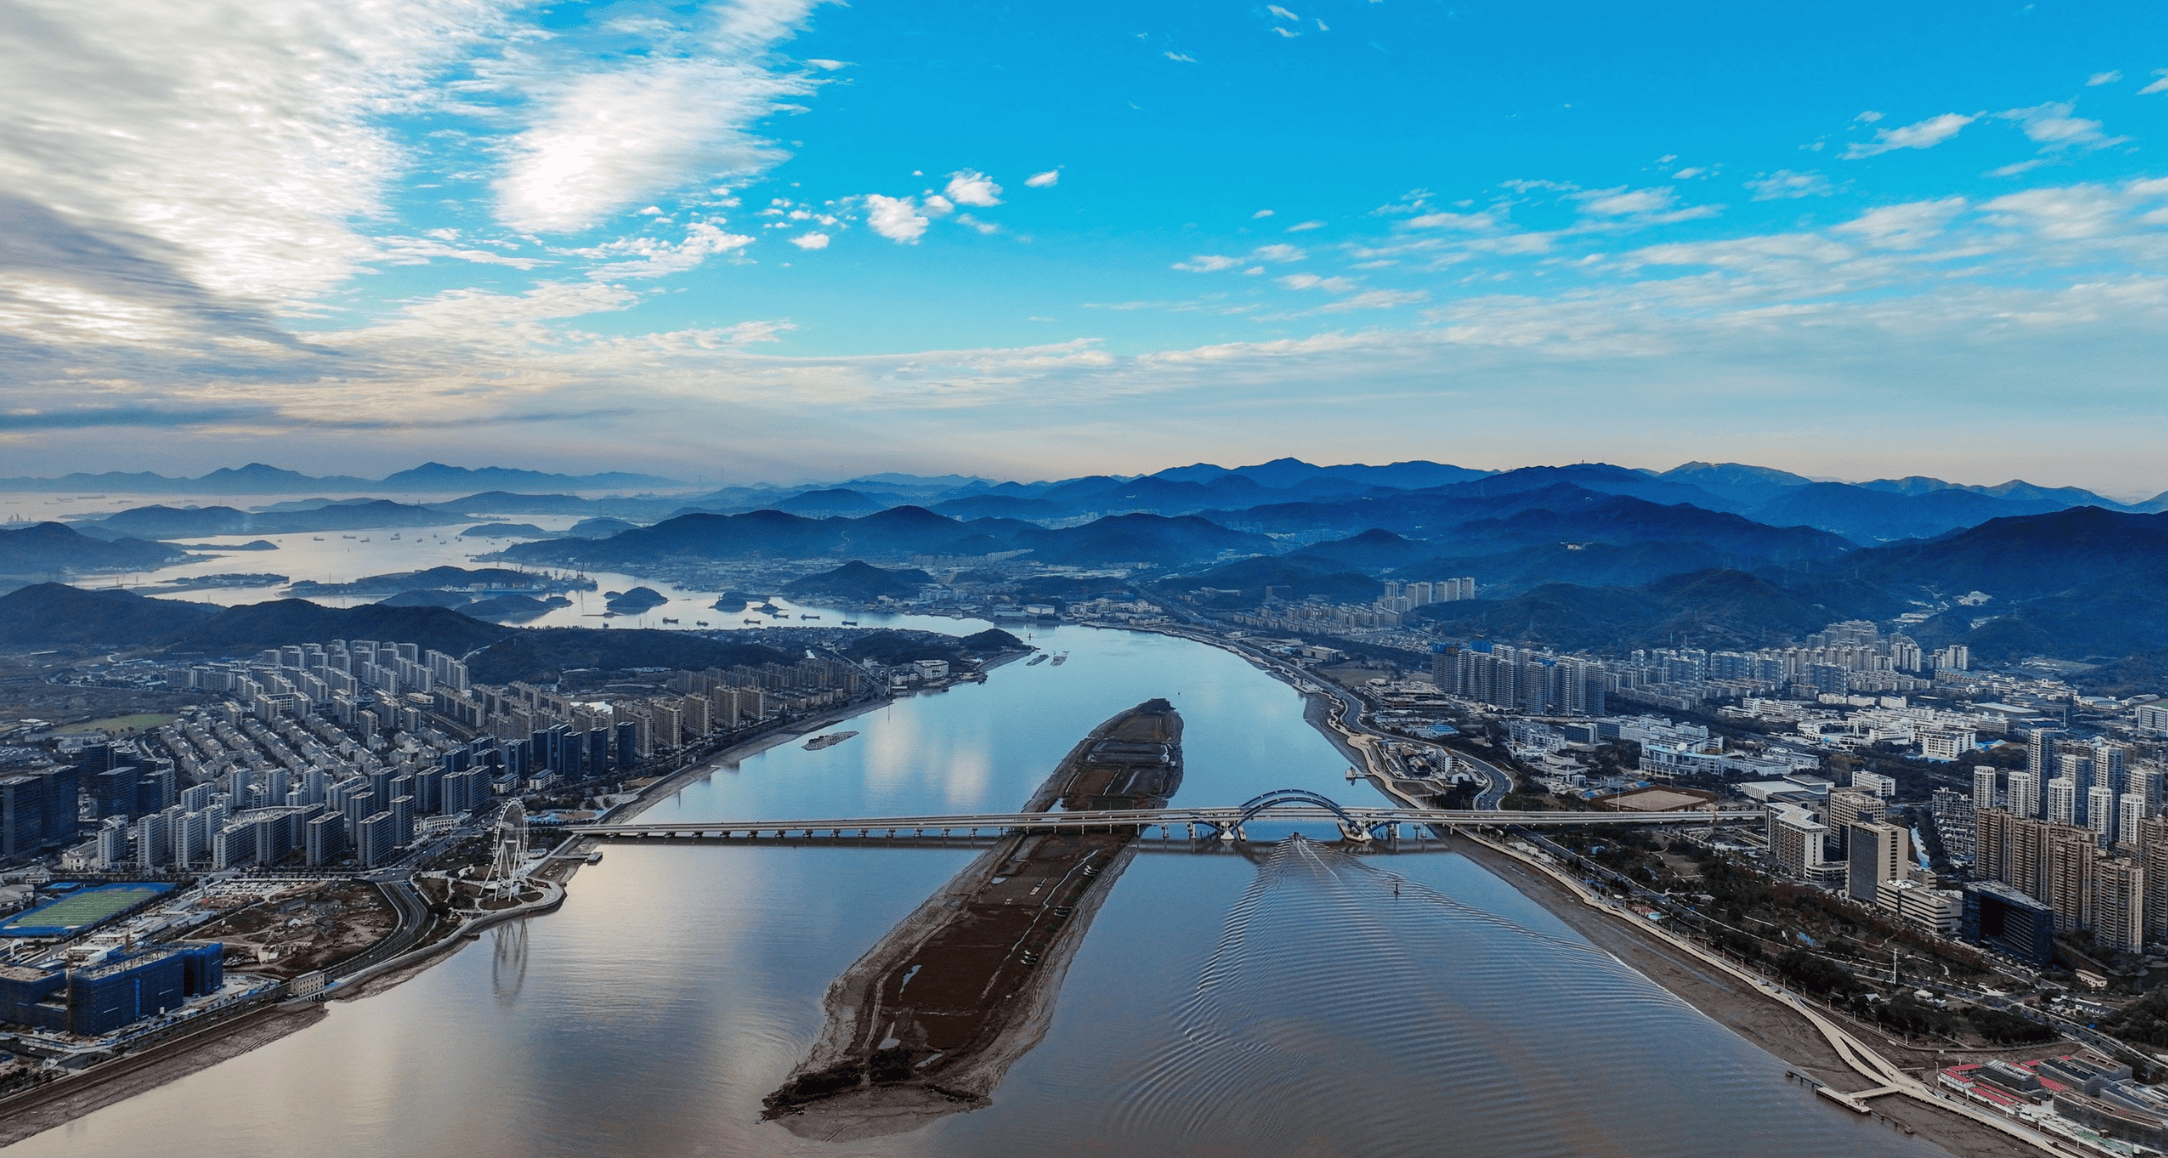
(780, 240)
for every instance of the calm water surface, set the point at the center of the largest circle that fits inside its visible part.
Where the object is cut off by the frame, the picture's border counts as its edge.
(1300, 1002)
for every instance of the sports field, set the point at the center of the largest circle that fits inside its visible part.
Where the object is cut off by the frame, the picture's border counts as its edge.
(79, 910)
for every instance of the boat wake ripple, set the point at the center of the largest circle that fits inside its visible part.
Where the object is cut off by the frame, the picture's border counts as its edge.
(1333, 974)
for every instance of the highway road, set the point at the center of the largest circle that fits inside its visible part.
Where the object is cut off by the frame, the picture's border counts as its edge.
(415, 923)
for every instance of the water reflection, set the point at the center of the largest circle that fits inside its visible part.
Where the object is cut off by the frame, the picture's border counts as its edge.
(508, 959)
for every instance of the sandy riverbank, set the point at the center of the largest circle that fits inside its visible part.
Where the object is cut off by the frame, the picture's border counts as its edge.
(1752, 1014)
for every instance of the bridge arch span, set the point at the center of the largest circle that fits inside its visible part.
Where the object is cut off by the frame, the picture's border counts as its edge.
(1300, 798)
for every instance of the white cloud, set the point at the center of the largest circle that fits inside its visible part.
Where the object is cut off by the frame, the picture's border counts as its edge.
(971, 187)
(2158, 85)
(1903, 226)
(938, 206)
(1208, 263)
(810, 241)
(416, 250)
(1305, 226)
(2052, 125)
(1482, 220)
(895, 218)
(2016, 168)
(1278, 253)
(1331, 285)
(1185, 58)
(1285, 33)
(1918, 135)
(1261, 214)
(1044, 180)
(1869, 117)
(2071, 212)
(172, 159)
(827, 65)
(1622, 201)
(654, 258)
(1377, 299)
(1785, 184)
(649, 124)
(2101, 78)
(1280, 12)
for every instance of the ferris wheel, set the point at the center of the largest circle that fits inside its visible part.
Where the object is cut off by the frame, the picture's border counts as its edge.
(510, 855)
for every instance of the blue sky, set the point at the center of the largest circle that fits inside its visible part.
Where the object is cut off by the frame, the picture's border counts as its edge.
(779, 239)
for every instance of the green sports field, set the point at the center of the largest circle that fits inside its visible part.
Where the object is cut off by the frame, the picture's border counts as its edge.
(79, 910)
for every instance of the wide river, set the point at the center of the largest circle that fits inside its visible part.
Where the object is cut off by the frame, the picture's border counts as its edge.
(1300, 1002)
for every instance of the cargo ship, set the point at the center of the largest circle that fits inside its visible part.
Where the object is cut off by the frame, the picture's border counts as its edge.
(929, 1021)
(828, 741)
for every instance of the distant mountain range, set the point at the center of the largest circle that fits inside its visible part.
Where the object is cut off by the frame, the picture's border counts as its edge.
(259, 479)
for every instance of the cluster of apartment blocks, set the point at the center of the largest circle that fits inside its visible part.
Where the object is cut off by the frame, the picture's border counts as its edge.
(1401, 598)
(2079, 831)
(1872, 861)
(260, 812)
(269, 773)
(380, 688)
(2094, 856)
(1848, 657)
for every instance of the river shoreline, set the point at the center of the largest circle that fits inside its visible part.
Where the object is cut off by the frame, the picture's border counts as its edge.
(1749, 1011)
(1775, 1027)
(72, 1097)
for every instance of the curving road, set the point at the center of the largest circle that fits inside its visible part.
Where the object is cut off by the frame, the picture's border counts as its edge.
(415, 923)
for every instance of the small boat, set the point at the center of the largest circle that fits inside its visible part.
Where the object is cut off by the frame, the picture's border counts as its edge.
(317, 538)
(809, 617)
(1036, 660)
(850, 623)
(1061, 659)
(828, 741)
(756, 621)
(700, 623)
(669, 620)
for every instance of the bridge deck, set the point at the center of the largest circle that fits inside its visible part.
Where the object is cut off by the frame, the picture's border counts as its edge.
(1207, 818)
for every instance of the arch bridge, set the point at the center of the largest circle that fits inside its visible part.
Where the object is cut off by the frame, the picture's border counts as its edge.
(1360, 824)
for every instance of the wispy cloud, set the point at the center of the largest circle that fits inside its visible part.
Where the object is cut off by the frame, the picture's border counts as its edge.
(1046, 180)
(1918, 135)
(641, 125)
(2055, 128)
(1208, 263)
(1784, 184)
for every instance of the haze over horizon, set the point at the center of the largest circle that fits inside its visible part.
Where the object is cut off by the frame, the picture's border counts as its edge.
(777, 239)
